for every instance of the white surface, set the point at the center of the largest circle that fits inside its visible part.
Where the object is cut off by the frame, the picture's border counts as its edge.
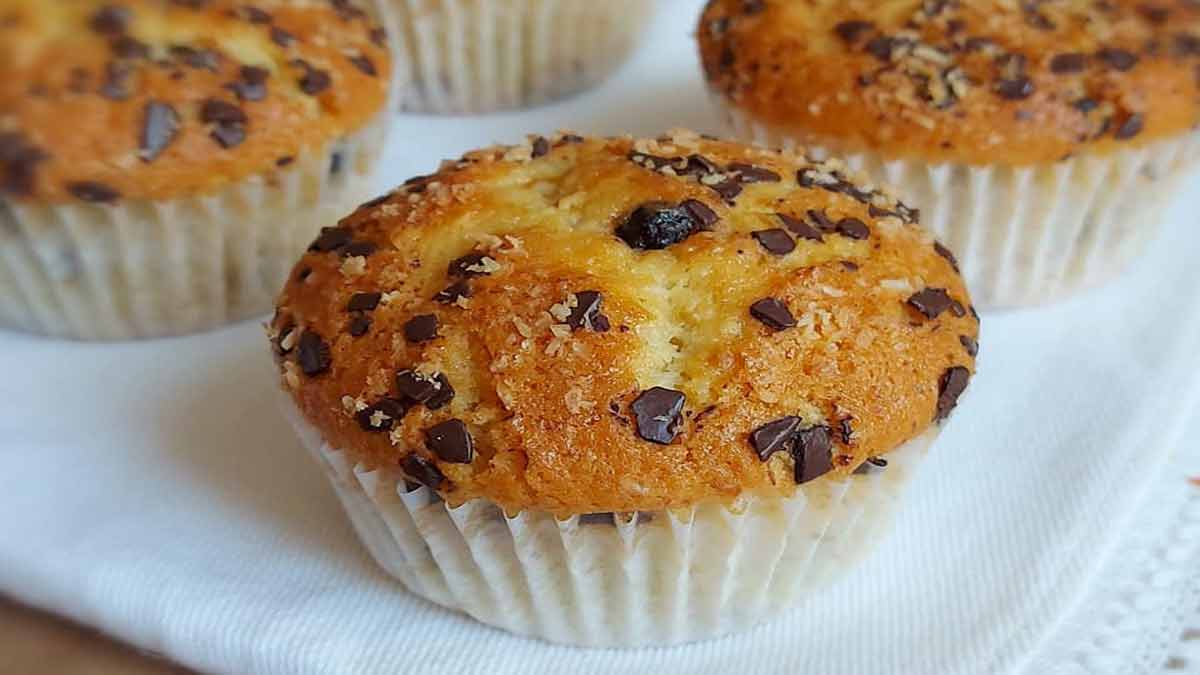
(153, 490)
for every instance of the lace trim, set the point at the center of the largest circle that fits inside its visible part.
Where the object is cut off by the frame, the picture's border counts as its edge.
(1143, 612)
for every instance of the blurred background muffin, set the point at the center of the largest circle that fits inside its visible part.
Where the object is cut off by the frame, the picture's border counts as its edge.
(470, 56)
(733, 357)
(1039, 139)
(162, 163)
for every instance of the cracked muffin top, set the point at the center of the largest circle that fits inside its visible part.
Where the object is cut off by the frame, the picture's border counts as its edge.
(608, 324)
(157, 99)
(974, 81)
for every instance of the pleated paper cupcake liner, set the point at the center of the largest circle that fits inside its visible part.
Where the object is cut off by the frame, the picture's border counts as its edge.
(1025, 235)
(463, 56)
(142, 269)
(624, 579)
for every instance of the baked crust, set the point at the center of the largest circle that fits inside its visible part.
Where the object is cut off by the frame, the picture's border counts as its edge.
(158, 99)
(970, 81)
(549, 398)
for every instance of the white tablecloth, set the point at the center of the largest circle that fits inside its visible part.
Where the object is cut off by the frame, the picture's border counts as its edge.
(154, 491)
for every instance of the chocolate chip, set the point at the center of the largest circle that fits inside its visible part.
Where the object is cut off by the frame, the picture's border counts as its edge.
(822, 221)
(312, 354)
(853, 228)
(1016, 89)
(541, 146)
(379, 37)
(111, 20)
(358, 249)
(314, 81)
(774, 436)
(946, 253)
(359, 325)
(931, 302)
(656, 225)
(363, 302)
(381, 416)
(1185, 44)
(1085, 105)
(729, 189)
(1129, 128)
(423, 471)
(253, 83)
(813, 453)
(586, 313)
(160, 123)
(699, 166)
(851, 31)
(970, 344)
(228, 120)
(116, 82)
(1117, 59)
(126, 47)
(451, 442)
(470, 265)
(228, 136)
(775, 240)
(201, 59)
(881, 48)
(90, 191)
(1068, 63)
(799, 227)
(281, 37)
(871, 466)
(451, 294)
(364, 65)
(421, 328)
(773, 313)
(952, 384)
(1153, 14)
(331, 239)
(443, 394)
(416, 387)
(18, 163)
(216, 111)
(748, 173)
(701, 214)
(657, 412)
(255, 15)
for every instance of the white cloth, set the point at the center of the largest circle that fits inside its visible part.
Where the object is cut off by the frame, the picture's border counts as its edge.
(154, 491)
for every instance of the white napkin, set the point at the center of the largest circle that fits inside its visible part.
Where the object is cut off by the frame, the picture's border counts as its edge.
(154, 491)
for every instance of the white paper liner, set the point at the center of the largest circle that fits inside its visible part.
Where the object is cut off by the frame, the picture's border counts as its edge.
(140, 269)
(640, 579)
(461, 56)
(1025, 235)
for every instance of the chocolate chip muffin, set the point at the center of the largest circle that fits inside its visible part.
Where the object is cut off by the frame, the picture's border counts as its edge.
(1039, 139)
(700, 371)
(162, 163)
(472, 56)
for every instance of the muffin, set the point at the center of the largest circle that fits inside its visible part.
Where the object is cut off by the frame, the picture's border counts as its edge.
(162, 164)
(1039, 139)
(470, 56)
(623, 392)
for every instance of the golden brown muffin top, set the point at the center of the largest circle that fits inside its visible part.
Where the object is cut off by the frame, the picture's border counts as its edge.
(158, 99)
(974, 81)
(586, 325)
